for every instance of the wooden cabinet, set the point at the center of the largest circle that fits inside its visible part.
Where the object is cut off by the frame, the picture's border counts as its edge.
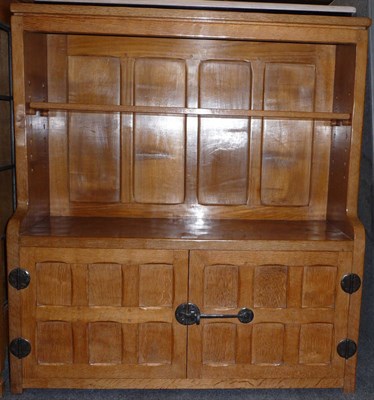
(169, 157)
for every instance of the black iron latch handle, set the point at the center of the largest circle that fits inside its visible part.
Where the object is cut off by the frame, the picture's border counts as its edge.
(189, 314)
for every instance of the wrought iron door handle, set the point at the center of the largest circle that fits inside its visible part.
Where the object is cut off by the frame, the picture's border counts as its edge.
(189, 314)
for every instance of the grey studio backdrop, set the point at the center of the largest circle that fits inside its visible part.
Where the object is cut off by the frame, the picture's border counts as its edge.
(365, 372)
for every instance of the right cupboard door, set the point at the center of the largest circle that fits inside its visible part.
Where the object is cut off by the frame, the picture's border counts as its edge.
(300, 316)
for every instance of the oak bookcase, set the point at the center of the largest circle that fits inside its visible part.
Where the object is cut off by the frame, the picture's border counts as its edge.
(201, 158)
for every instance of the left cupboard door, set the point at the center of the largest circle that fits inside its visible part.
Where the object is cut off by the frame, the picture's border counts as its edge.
(102, 315)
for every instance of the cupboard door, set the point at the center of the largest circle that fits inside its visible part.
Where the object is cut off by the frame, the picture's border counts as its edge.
(103, 313)
(300, 315)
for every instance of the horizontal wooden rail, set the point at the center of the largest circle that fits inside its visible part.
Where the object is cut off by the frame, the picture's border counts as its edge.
(206, 112)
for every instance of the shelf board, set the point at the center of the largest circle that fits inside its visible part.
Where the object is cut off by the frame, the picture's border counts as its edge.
(33, 107)
(183, 233)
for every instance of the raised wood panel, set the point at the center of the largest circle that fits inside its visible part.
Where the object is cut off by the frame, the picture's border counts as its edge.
(160, 82)
(286, 163)
(298, 314)
(289, 87)
(159, 159)
(155, 343)
(319, 286)
(270, 287)
(315, 343)
(54, 342)
(156, 285)
(105, 285)
(54, 284)
(268, 344)
(224, 143)
(105, 343)
(287, 145)
(221, 286)
(93, 80)
(159, 141)
(219, 340)
(94, 139)
(223, 161)
(225, 84)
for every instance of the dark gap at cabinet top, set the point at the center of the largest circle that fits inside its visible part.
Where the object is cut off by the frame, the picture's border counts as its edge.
(185, 229)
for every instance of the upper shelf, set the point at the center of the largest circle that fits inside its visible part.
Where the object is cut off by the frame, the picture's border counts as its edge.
(343, 118)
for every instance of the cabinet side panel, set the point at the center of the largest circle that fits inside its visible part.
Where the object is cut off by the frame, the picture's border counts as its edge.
(37, 125)
(341, 140)
(58, 139)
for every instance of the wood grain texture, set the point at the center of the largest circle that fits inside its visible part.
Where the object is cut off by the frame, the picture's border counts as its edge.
(58, 123)
(36, 127)
(96, 80)
(14, 297)
(189, 155)
(193, 111)
(159, 141)
(355, 302)
(110, 383)
(311, 7)
(93, 330)
(284, 338)
(121, 11)
(151, 173)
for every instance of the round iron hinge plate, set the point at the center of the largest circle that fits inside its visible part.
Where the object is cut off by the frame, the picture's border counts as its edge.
(347, 348)
(20, 347)
(245, 316)
(19, 278)
(188, 314)
(350, 283)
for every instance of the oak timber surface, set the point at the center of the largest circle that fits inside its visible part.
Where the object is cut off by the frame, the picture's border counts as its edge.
(241, 5)
(105, 279)
(185, 229)
(193, 14)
